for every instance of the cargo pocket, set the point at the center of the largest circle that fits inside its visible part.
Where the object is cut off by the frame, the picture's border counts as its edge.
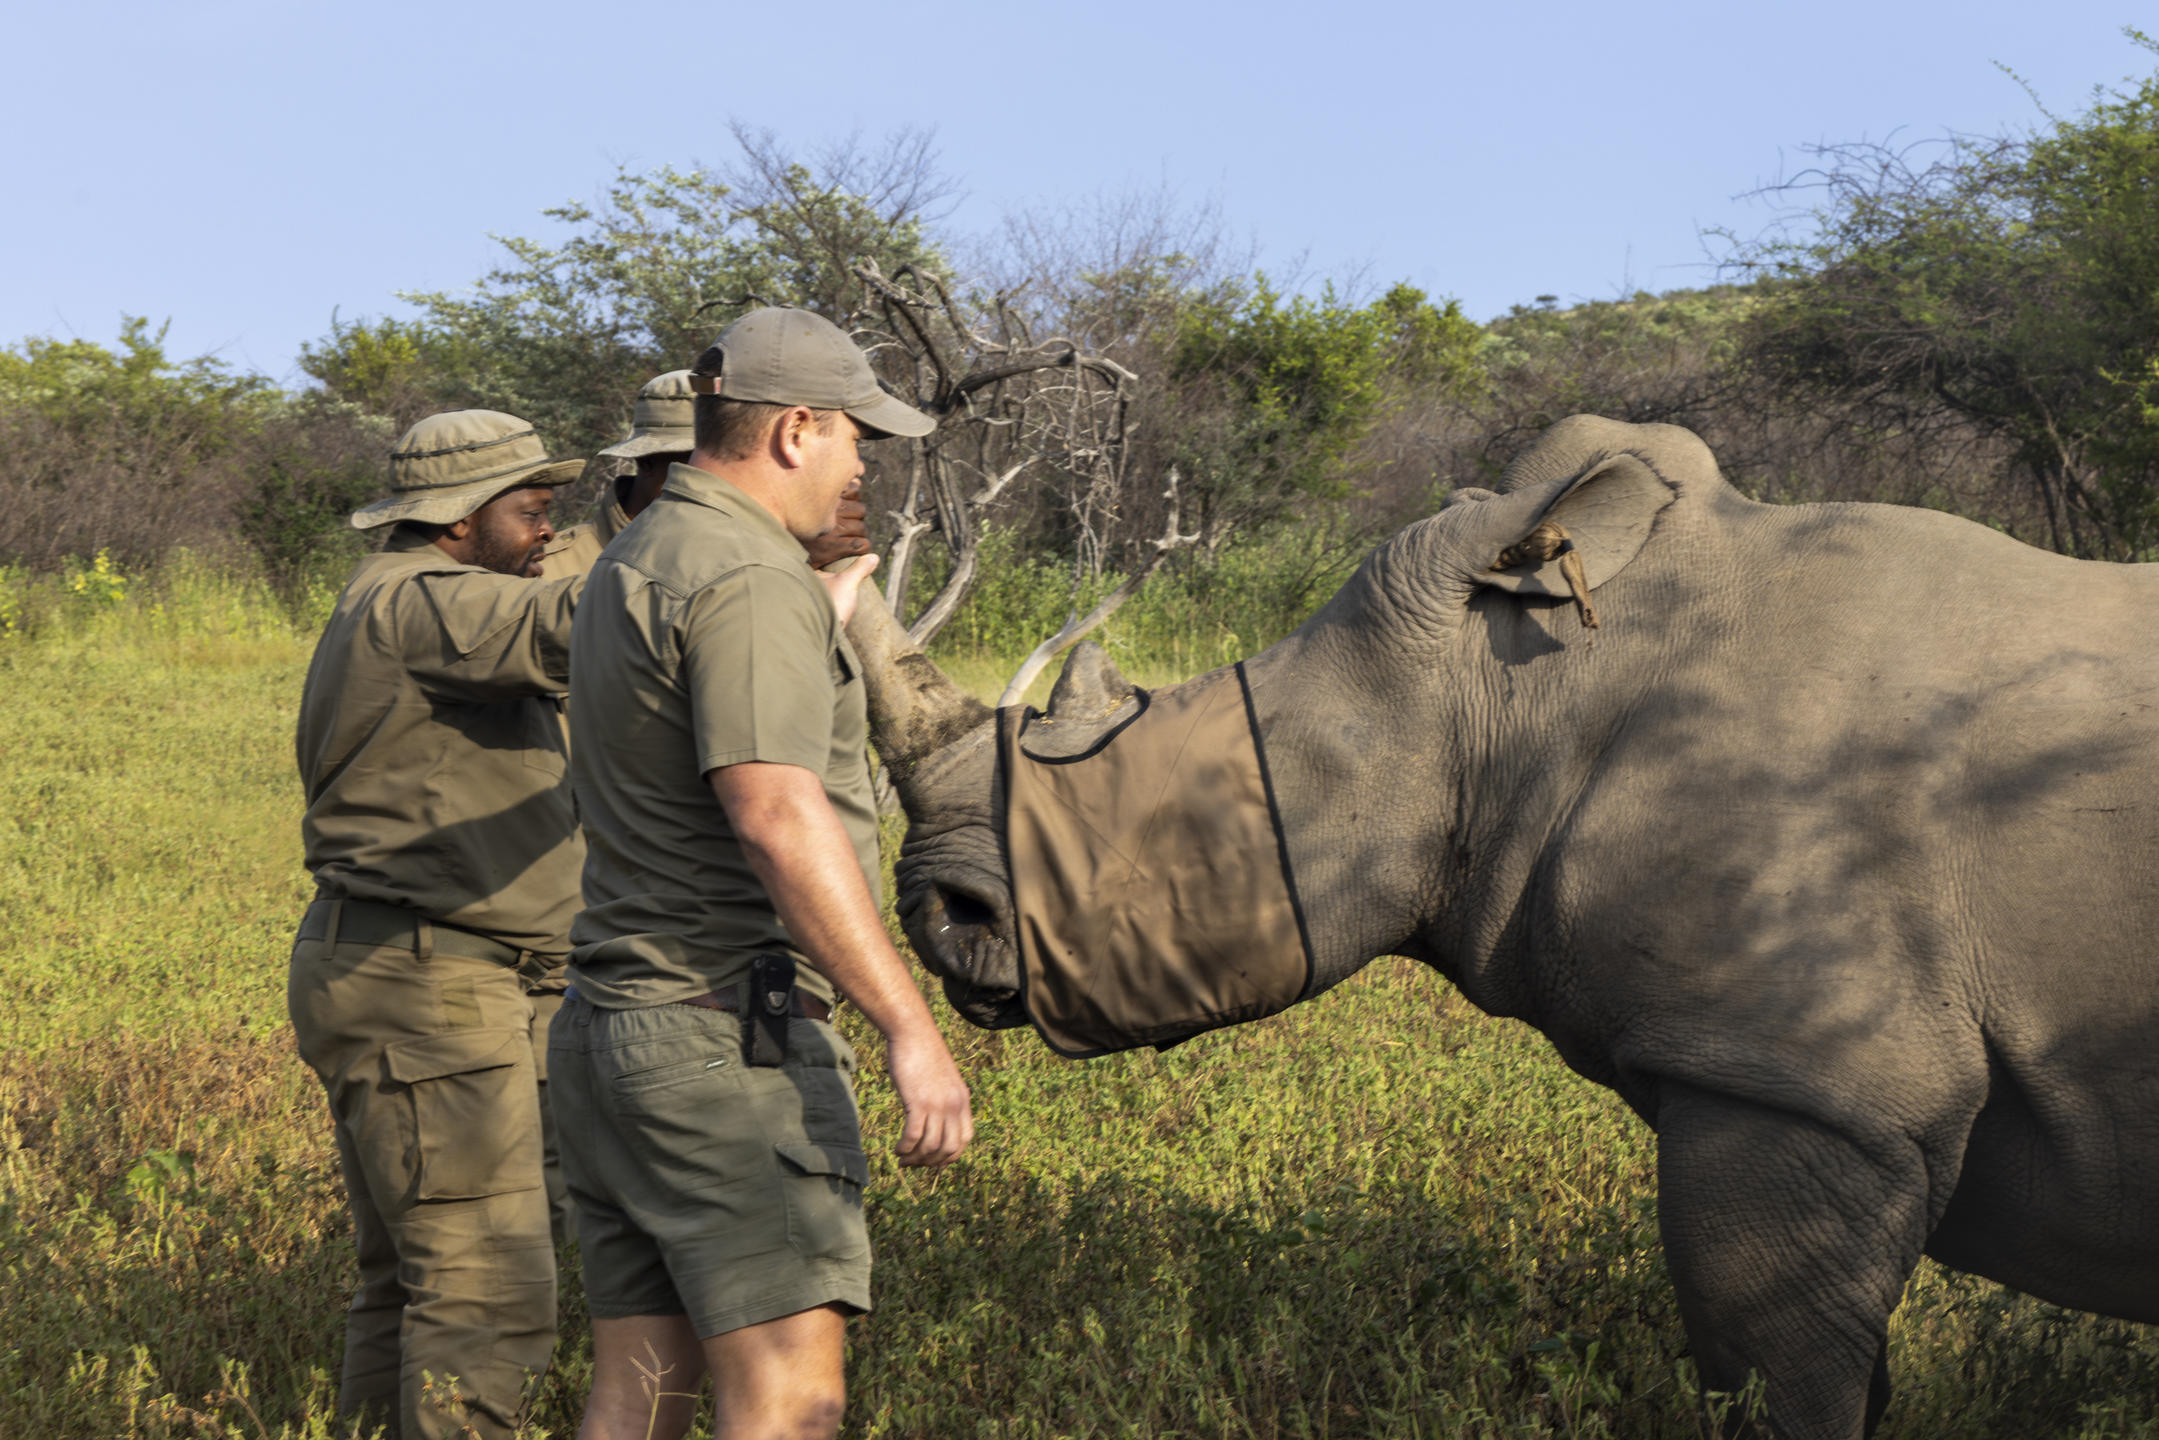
(685, 1118)
(475, 1112)
(824, 1199)
(821, 1164)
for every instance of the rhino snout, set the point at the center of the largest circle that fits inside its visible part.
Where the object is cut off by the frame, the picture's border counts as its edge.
(986, 1009)
(965, 939)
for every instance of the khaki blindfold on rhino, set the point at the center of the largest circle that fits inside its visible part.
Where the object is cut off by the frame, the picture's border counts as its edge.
(1151, 888)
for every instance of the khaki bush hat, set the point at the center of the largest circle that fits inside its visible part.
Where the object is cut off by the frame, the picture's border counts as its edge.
(784, 356)
(661, 423)
(449, 465)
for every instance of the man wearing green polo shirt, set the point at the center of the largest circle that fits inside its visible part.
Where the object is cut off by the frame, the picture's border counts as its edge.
(704, 1104)
(661, 434)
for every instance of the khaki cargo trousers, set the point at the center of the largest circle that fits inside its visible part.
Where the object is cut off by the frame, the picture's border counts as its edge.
(426, 1055)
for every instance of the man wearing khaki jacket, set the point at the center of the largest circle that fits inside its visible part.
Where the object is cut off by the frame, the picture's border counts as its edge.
(445, 853)
(659, 436)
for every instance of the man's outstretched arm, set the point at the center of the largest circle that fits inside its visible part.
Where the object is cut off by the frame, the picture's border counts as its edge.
(800, 851)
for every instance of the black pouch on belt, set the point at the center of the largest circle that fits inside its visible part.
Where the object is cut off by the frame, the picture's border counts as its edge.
(772, 1001)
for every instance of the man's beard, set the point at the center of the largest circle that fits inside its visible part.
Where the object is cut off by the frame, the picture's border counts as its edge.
(497, 552)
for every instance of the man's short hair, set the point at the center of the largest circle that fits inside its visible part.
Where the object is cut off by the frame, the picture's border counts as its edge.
(733, 429)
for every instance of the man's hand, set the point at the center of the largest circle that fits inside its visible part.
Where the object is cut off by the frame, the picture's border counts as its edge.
(845, 583)
(849, 534)
(940, 1114)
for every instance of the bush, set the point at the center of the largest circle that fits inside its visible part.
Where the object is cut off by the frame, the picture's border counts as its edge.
(2003, 288)
(127, 455)
(312, 467)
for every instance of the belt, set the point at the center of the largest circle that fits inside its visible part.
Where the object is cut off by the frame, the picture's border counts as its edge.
(363, 922)
(804, 1007)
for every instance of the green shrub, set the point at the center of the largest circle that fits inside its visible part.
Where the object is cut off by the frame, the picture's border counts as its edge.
(313, 466)
(117, 457)
(1190, 618)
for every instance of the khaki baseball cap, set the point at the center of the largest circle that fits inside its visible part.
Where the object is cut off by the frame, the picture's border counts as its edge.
(449, 465)
(784, 356)
(661, 423)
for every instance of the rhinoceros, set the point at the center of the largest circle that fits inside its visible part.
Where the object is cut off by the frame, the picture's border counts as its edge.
(1833, 849)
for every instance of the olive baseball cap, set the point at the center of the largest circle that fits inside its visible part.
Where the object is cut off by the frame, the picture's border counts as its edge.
(661, 423)
(449, 465)
(784, 356)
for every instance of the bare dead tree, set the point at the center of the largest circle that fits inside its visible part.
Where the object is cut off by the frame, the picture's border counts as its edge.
(1010, 406)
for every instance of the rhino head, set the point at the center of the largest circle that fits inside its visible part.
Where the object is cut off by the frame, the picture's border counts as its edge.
(1451, 612)
(939, 745)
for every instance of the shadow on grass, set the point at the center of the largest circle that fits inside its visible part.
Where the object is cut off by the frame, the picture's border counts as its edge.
(171, 1207)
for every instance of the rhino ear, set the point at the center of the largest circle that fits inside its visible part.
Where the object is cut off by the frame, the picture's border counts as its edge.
(1090, 687)
(1606, 511)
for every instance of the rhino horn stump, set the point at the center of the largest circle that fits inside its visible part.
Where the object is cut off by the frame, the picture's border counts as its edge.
(915, 709)
(1090, 687)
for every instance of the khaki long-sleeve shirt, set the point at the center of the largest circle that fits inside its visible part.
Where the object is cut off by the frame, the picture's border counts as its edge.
(431, 746)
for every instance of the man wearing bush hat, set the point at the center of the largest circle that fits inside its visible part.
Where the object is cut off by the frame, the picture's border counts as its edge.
(445, 853)
(659, 436)
(704, 1102)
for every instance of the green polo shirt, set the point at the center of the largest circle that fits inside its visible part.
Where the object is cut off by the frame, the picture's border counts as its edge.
(702, 640)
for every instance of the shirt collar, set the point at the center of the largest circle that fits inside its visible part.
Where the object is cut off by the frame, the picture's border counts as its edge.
(708, 489)
(405, 541)
(609, 519)
(414, 548)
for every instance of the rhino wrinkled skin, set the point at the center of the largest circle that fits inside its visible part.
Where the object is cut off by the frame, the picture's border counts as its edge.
(1834, 851)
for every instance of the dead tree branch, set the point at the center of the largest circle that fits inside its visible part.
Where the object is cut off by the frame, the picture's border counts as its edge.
(1008, 408)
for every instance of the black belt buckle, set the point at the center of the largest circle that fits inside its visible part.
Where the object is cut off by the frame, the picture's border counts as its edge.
(771, 1002)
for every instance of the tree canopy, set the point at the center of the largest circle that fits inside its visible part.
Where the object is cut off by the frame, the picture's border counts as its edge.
(2008, 285)
(1098, 382)
(1282, 388)
(563, 333)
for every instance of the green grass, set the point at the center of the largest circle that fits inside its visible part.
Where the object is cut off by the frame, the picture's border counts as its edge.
(1185, 621)
(1381, 1214)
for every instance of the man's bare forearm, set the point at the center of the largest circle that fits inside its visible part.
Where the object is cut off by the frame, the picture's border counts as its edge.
(800, 851)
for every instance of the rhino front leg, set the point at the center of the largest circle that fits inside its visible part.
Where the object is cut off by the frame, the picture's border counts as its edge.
(1788, 1247)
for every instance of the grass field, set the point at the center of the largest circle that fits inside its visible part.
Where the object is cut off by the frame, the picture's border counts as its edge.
(1381, 1214)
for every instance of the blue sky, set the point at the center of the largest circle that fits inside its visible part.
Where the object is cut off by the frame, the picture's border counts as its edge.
(244, 167)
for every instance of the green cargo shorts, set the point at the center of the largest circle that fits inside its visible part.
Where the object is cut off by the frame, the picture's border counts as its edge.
(704, 1186)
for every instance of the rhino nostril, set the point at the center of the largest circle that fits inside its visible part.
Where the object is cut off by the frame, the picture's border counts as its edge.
(964, 909)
